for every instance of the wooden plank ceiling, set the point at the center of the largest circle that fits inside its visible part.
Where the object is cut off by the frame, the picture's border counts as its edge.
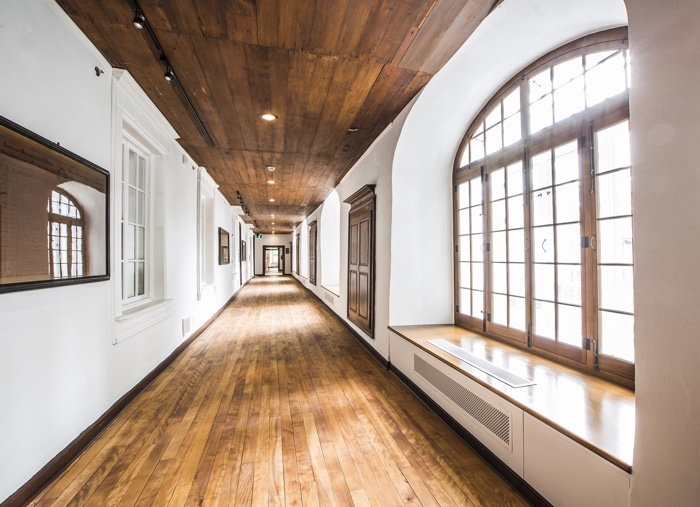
(335, 72)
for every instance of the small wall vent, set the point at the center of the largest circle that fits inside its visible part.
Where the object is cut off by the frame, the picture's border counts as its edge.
(492, 419)
(186, 325)
(329, 298)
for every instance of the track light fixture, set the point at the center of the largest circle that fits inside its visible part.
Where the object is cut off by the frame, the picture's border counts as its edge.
(169, 75)
(139, 20)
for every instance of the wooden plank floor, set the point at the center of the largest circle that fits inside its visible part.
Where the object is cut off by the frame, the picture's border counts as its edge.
(276, 404)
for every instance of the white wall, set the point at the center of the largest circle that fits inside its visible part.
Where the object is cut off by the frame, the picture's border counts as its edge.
(665, 125)
(374, 168)
(284, 240)
(59, 368)
(329, 241)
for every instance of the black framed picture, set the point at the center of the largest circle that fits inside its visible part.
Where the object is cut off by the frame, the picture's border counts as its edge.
(224, 256)
(54, 213)
(286, 250)
(243, 251)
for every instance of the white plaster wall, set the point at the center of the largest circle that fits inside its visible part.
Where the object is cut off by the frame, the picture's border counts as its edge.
(374, 168)
(329, 240)
(272, 240)
(665, 125)
(59, 371)
(514, 35)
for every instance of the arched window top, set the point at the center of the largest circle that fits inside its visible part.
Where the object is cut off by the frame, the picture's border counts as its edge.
(60, 204)
(571, 82)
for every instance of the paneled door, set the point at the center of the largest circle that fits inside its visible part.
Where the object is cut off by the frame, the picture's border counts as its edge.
(361, 258)
(313, 230)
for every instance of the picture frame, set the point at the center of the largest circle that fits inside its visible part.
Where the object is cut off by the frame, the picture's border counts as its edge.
(54, 214)
(243, 251)
(224, 250)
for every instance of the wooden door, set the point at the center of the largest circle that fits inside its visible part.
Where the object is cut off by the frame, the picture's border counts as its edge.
(298, 255)
(361, 259)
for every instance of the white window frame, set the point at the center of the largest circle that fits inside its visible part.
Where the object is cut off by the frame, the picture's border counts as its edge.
(206, 233)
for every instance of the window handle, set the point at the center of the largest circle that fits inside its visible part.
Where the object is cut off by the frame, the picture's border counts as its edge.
(594, 243)
(543, 242)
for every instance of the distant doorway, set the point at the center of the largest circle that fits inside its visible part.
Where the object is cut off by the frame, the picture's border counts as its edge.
(273, 260)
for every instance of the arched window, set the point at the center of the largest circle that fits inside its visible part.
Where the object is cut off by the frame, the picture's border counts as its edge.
(65, 237)
(543, 210)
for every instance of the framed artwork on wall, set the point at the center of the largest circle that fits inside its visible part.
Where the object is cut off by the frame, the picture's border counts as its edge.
(54, 214)
(224, 256)
(243, 252)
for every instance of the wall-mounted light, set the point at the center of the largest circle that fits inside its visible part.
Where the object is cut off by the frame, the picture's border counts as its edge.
(268, 116)
(139, 20)
(169, 75)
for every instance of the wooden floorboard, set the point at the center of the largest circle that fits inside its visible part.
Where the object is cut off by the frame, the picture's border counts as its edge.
(276, 404)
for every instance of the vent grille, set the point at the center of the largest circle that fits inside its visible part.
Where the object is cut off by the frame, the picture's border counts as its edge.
(492, 419)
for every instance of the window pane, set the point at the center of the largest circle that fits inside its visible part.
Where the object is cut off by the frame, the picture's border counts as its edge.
(499, 310)
(140, 242)
(133, 161)
(543, 244)
(499, 273)
(564, 72)
(616, 288)
(613, 147)
(497, 182)
(517, 279)
(463, 221)
(516, 246)
(569, 99)
(511, 104)
(130, 247)
(540, 85)
(477, 222)
(511, 130)
(498, 246)
(542, 212)
(463, 189)
(130, 280)
(142, 174)
(494, 139)
(515, 178)
(141, 207)
(569, 284)
(541, 169)
(493, 117)
(614, 192)
(566, 162)
(569, 328)
(131, 217)
(541, 114)
(517, 313)
(477, 304)
(141, 279)
(464, 248)
(614, 241)
(478, 276)
(476, 148)
(498, 215)
(515, 212)
(475, 191)
(617, 335)
(464, 275)
(544, 281)
(606, 79)
(465, 302)
(568, 209)
(569, 243)
(544, 319)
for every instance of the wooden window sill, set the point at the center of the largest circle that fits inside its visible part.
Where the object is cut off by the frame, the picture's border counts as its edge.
(597, 414)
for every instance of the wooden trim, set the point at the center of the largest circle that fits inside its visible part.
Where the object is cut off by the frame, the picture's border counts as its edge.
(365, 193)
(65, 457)
(499, 466)
(374, 352)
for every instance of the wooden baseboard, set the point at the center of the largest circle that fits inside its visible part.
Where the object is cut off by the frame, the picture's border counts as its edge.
(517, 482)
(381, 359)
(54, 467)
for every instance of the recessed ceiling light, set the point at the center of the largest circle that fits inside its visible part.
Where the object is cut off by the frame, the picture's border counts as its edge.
(270, 182)
(268, 116)
(273, 223)
(270, 168)
(272, 200)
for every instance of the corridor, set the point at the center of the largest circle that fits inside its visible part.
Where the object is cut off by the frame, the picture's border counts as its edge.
(276, 404)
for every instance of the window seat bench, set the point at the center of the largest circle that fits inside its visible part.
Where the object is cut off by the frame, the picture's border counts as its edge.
(567, 435)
